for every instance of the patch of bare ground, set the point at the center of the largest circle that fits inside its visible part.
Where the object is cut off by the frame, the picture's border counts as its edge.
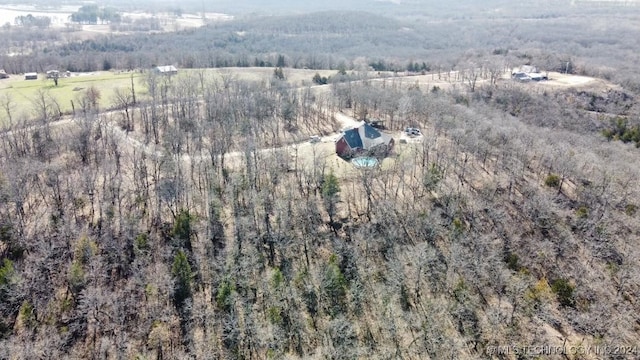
(559, 82)
(444, 80)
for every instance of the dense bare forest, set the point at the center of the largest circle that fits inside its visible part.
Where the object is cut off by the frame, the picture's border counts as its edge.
(194, 219)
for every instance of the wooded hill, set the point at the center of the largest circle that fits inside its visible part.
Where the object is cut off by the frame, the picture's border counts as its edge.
(180, 225)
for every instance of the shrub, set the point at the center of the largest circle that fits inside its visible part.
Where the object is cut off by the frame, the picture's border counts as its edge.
(142, 242)
(274, 314)
(85, 250)
(564, 292)
(620, 129)
(27, 314)
(630, 209)
(460, 291)
(6, 273)
(582, 212)
(223, 297)
(552, 180)
(150, 291)
(512, 261)
(540, 292)
(458, 226)
(277, 278)
(432, 177)
(76, 277)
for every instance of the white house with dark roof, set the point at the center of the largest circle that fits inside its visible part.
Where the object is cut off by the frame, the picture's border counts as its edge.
(165, 70)
(528, 73)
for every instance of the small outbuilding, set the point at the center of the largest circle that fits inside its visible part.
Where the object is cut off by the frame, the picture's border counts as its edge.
(3, 74)
(165, 70)
(31, 76)
(528, 73)
(53, 74)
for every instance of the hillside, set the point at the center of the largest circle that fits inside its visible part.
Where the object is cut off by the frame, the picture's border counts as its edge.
(207, 215)
(170, 240)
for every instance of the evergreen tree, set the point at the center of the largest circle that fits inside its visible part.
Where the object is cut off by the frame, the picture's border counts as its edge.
(182, 230)
(330, 190)
(182, 274)
(278, 73)
(320, 80)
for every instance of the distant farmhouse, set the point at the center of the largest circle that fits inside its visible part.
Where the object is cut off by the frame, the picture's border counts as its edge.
(3, 74)
(363, 139)
(528, 73)
(53, 74)
(165, 70)
(31, 76)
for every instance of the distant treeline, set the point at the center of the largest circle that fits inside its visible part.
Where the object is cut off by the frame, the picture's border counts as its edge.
(90, 14)
(29, 20)
(360, 40)
(315, 41)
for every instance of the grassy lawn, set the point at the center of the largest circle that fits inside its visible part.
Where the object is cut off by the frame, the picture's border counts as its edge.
(23, 92)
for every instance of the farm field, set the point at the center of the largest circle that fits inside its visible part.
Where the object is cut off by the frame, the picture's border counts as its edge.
(24, 92)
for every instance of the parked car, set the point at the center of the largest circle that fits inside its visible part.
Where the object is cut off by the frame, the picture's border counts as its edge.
(412, 132)
(314, 139)
(378, 124)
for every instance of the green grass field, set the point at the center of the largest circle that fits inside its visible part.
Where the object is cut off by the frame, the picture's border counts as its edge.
(23, 92)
